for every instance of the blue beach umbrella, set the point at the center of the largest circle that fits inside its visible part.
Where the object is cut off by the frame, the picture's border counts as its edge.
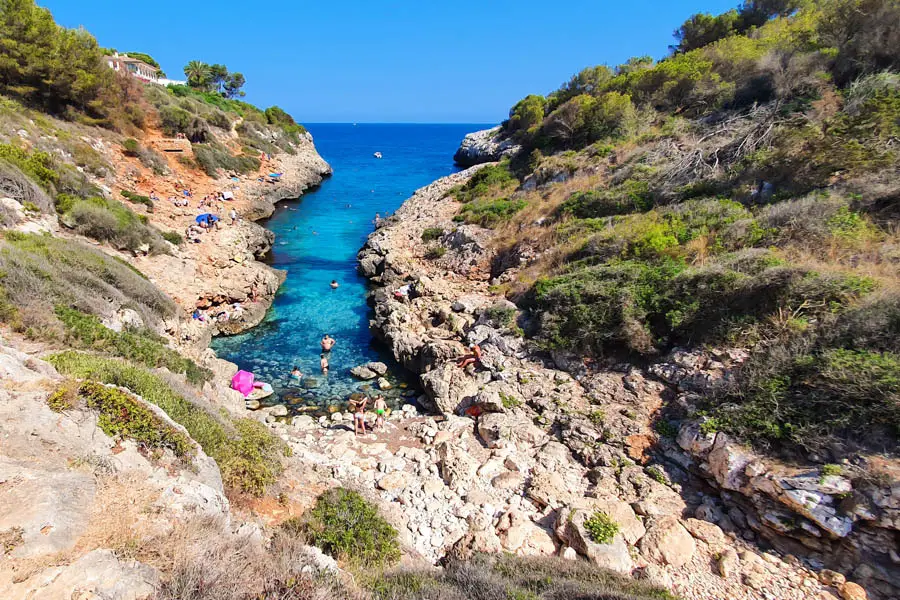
(209, 218)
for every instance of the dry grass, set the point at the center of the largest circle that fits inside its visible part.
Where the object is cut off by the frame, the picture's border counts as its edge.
(203, 560)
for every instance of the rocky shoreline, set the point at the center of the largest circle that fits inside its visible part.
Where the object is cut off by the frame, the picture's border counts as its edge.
(571, 442)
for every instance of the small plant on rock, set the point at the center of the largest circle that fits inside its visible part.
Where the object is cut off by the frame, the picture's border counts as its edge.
(601, 527)
(435, 252)
(431, 234)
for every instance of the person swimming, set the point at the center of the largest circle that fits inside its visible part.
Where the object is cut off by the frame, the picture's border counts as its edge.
(296, 374)
(323, 363)
(334, 284)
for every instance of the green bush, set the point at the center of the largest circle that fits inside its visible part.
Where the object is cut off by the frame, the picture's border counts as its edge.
(138, 199)
(112, 222)
(435, 252)
(141, 346)
(487, 181)
(173, 237)
(212, 157)
(431, 234)
(490, 213)
(601, 527)
(346, 526)
(248, 454)
(131, 147)
(37, 165)
(122, 416)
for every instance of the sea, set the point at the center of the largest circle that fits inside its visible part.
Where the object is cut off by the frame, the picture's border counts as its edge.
(317, 237)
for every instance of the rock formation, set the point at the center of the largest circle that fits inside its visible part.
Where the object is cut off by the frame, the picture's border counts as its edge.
(484, 146)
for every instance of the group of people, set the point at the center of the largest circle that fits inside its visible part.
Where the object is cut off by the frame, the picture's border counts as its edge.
(327, 344)
(357, 406)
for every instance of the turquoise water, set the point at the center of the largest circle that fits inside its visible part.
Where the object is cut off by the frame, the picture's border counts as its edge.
(316, 241)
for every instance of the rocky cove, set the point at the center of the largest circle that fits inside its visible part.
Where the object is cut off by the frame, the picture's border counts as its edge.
(515, 455)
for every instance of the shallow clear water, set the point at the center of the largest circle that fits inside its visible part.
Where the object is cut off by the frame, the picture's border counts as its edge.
(316, 240)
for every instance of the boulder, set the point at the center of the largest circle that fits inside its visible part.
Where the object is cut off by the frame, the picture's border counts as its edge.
(363, 372)
(457, 467)
(394, 482)
(727, 462)
(548, 489)
(279, 410)
(379, 368)
(852, 591)
(496, 428)
(484, 146)
(667, 542)
(613, 555)
(448, 386)
(707, 532)
(96, 575)
(728, 563)
(630, 527)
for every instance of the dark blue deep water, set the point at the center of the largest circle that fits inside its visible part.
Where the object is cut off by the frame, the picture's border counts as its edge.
(317, 238)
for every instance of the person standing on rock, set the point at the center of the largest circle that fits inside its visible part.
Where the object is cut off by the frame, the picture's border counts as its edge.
(233, 214)
(358, 408)
(380, 411)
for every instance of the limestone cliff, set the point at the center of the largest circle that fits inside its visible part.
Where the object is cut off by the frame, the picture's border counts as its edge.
(488, 145)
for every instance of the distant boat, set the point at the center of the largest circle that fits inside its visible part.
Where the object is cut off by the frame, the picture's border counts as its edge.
(377, 155)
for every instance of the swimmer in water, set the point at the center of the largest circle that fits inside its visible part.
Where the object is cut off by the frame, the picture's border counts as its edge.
(296, 374)
(323, 363)
(334, 284)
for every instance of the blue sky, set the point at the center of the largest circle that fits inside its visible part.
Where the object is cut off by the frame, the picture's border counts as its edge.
(425, 61)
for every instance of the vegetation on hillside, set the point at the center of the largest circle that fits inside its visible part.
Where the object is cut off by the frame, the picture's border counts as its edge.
(508, 576)
(739, 192)
(61, 71)
(248, 454)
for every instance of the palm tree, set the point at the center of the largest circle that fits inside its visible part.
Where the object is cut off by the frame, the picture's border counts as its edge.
(197, 73)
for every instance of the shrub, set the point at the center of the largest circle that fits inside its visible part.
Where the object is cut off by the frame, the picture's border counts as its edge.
(122, 416)
(601, 527)
(37, 165)
(173, 237)
(346, 526)
(527, 114)
(112, 222)
(138, 199)
(511, 577)
(431, 234)
(248, 454)
(42, 272)
(131, 147)
(435, 252)
(490, 213)
(486, 182)
(212, 157)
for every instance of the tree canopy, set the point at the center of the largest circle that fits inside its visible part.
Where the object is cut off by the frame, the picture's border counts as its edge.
(57, 69)
(214, 78)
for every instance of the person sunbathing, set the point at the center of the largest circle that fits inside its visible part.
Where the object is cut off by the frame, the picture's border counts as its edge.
(470, 359)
